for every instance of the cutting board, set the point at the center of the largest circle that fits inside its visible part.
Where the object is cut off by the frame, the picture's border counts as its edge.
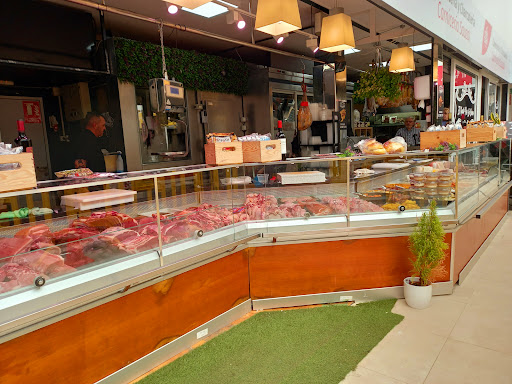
(98, 199)
(390, 165)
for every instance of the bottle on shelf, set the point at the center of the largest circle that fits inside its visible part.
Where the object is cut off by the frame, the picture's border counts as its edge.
(280, 135)
(22, 140)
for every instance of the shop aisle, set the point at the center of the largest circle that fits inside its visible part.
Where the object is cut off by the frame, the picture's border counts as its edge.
(462, 338)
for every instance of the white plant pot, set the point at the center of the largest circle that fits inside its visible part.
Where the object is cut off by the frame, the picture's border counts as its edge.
(417, 296)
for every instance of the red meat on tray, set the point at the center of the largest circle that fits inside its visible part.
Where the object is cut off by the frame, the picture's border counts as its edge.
(39, 261)
(115, 235)
(10, 246)
(139, 243)
(73, 253)
(39, 232)
(21, 273)
(317, 209)
(72, 234)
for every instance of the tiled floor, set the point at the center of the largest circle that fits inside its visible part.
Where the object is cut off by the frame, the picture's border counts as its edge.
(462, 338)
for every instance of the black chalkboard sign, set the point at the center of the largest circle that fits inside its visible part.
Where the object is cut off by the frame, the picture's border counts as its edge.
(465, 103)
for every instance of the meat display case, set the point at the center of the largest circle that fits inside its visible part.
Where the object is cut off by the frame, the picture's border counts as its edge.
(76, 237)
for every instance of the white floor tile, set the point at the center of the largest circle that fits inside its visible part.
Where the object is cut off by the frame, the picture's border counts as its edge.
(439, 318)
(365, 376)
(405, 354)
(464, 363)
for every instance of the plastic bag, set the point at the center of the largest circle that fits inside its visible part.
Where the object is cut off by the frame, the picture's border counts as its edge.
(371, 147)
(395, 145)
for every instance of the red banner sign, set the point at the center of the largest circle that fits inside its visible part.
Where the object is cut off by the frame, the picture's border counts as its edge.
(32, 111)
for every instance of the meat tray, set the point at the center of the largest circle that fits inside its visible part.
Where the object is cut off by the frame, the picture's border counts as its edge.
(98, 199)
(305, 177)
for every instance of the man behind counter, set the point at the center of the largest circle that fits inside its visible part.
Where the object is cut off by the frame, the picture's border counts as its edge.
(410, 134)
(89, 153)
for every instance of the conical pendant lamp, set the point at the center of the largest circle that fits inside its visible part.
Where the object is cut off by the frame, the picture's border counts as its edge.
(337, 33)
(276, 17)
(402, 60)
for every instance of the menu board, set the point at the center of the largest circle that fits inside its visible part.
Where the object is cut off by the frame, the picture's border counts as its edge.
(465, 96)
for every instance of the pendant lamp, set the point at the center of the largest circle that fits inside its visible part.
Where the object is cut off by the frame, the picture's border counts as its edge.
(276, 17)
(190, 4)
(337, 33)
(402, 60)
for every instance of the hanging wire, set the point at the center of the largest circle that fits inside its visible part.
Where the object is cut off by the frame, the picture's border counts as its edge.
(161, 30)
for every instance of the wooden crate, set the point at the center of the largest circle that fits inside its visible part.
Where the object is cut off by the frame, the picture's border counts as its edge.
(481, 134)
(24, 177)
(433, 139)
(261, 151)
(223, 153)
(501, 132)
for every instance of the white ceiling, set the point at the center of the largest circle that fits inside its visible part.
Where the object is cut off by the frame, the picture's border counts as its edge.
(358, 9)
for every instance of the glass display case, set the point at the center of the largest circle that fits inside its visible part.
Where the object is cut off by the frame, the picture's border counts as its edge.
(75, 236)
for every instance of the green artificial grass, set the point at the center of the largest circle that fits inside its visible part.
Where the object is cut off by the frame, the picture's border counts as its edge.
(310, 345)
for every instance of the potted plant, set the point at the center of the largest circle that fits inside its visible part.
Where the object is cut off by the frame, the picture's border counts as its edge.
(428, 246)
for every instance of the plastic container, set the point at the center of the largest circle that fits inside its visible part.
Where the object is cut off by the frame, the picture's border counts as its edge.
(431, 176)
(431, 184)
(418, 183)
(431, 191)
(418, 193)
(444, 183)
(418, 176)
(119, 163)
(262, 178)
(445, 176)
(444, 191)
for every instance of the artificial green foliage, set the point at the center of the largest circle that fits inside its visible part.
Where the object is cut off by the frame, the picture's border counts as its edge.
(428, 245)
(137, 62)
(377, 83)
(302, 346)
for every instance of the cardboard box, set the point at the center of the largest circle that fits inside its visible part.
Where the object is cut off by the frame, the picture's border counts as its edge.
(223, 153)
(433, 139)
(17, 172)
(261, 151)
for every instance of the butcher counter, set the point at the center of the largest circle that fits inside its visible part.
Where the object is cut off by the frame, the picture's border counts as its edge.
(103, 279)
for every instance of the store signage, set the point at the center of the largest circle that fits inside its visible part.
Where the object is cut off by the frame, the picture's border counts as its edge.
(32, 112)
(465, 96)
(464, 25)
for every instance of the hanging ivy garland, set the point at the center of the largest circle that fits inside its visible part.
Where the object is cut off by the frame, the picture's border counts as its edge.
(377, 83)
(138, 61)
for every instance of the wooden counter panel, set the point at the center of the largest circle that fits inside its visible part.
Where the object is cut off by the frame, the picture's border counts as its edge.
(91, 345)
(472, 234)
(301, 269)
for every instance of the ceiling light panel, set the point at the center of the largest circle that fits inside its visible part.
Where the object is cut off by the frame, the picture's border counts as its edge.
(191, 4)
(422, 47)
(209, 10)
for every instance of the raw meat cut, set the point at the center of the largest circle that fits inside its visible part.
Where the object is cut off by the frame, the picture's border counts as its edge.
(10, 246)
(72, 234)
(39, 261)
(60, 270)
(39, 232)
(104, 220)
(116, 235)
(316, 208)
(21, 273)
(139, 244)
(74, 253)
(6, 286)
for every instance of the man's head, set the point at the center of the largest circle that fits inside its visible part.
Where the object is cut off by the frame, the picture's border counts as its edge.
(95, 124)
(409, 123)
(446, 114)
